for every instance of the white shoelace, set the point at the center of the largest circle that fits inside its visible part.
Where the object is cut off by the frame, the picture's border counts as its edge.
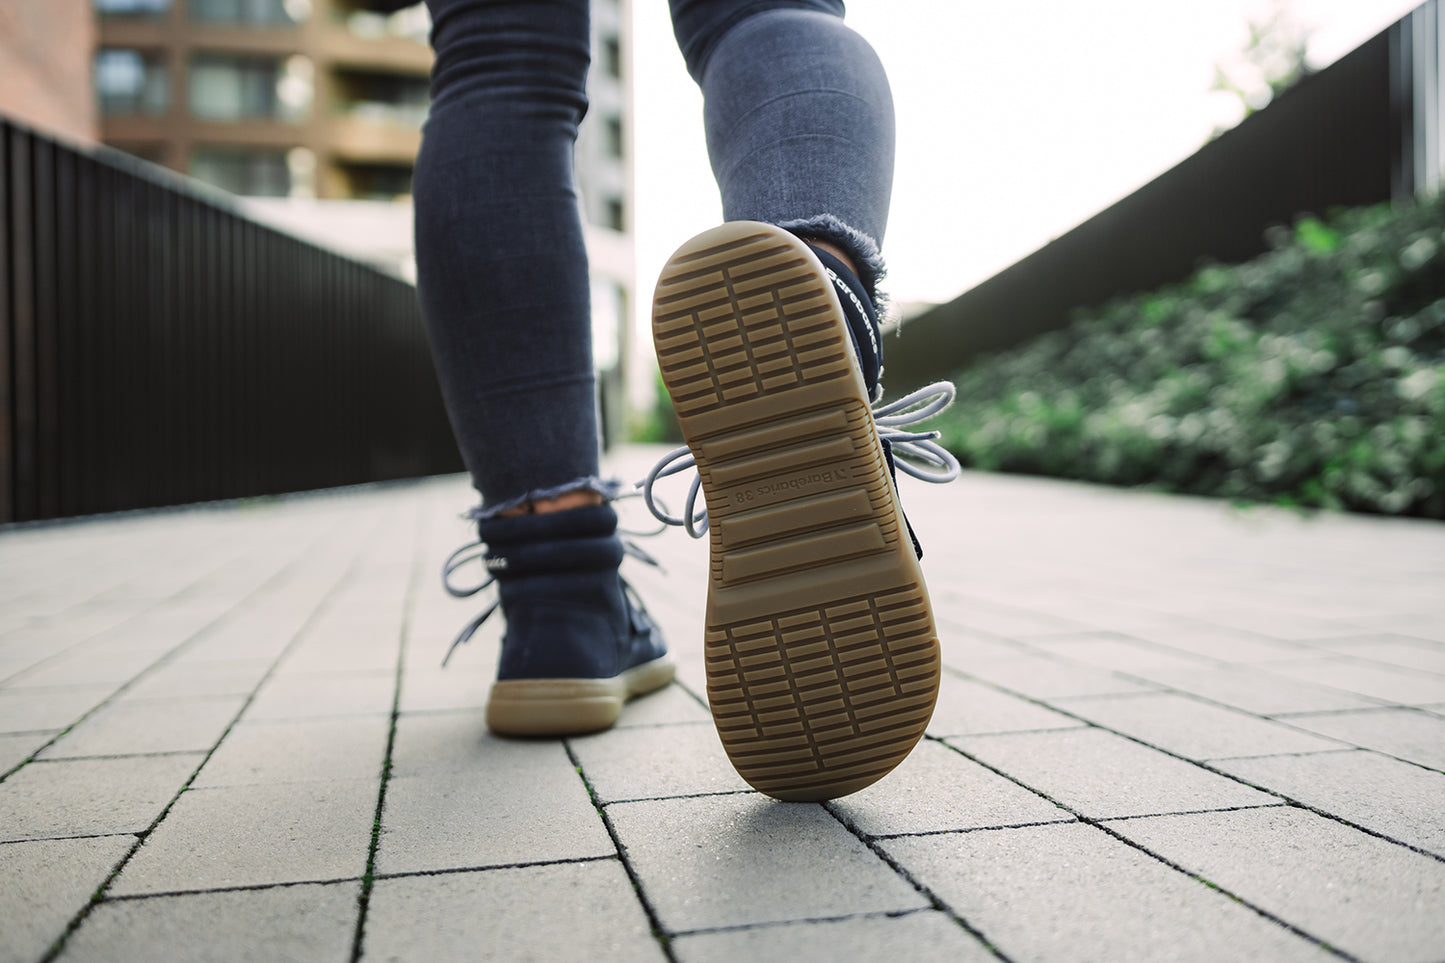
(916, 453)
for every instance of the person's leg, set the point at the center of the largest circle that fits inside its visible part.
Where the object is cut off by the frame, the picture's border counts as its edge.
(799, 120)
(502, 271)
(502, 276)
(821, 653)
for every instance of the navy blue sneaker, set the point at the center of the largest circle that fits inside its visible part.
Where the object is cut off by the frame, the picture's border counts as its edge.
(578, 643)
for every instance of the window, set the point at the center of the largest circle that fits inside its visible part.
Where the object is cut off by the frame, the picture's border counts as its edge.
(131, 82)
(616, 214)
(378, 182)
(132, 8)
(231, 88)
(612, 55)
(390, 98)
(616, 146)
(255, 13)
(256, 173)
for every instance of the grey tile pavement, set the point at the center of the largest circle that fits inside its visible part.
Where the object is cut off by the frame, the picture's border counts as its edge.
(1100, 775)
(1386, 796)
(45, 883)
(1364, 896)
(1409, 734)
(1073, 892)
(314, 923)
(736, 860)
(1170, 728)
(563, 911)
(927, 936)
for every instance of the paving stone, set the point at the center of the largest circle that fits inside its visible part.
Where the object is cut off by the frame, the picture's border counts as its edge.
(90, 667)
(43, 884)
(1415, 624)
(269, 753)
(1194, 729)
(964, 650)
(936, 789)
(461, 799)
(458, 743)
(653, 762)
(430, 689)
(1072, 892)
(1039, 677)
(1256, 690)
(571, 911)
(1409, 734)
(262, 631)
(303, 697)
(256, 835)
(1116, 653)
(1286, 626)
(190, 680)
(1363, 895)
(1223, 645)
(1399, 650)
(672, 705)
(756, 861)
(15, 749)
(1099, 774)
(163, 628)
(1385, 683)
(966, 707)
(1003, 621)
(160, 725)
(692, 674)
(927, 937)
(290, 923)
(1385, 795)
(90, 797)
(358, 632)
(34, 710)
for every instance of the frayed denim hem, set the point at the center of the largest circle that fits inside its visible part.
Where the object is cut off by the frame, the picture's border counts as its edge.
(861, 248)
(608, 488)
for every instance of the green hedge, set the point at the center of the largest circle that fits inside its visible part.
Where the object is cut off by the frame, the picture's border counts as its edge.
(1313, 375)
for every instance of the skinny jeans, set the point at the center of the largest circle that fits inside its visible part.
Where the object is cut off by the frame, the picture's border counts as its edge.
(798, 118)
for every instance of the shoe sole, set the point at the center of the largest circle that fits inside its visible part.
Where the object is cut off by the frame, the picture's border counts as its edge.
(821, 654)
(570, 707)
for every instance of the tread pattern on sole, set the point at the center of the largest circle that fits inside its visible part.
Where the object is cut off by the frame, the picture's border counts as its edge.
(824, 697)
(822, 658)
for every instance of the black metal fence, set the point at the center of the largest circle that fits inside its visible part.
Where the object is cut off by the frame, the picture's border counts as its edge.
(1349, 135)
(160, 348)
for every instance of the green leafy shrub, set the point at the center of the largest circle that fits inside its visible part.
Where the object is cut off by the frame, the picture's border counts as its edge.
(1313, 375)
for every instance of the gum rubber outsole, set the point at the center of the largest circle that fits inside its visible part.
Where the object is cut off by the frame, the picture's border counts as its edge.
(821, 654)
(570, 707)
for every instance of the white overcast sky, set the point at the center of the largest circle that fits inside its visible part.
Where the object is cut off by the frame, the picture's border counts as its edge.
(1017, 119)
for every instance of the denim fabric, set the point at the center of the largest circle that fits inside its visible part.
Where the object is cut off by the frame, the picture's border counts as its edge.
(800, 133)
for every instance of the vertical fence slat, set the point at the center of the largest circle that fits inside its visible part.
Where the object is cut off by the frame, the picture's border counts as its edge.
(47, 389)
(7, 324)
(69, 280)
(22, 332)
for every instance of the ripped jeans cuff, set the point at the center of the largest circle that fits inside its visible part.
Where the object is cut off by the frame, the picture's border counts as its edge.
(862, 249)
(608, 488)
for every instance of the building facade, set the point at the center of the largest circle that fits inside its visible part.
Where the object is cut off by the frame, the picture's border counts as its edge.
(311, 110)
(45, 57)
(298, 98)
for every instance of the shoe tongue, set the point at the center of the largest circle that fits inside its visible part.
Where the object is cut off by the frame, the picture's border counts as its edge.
(862, 317)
